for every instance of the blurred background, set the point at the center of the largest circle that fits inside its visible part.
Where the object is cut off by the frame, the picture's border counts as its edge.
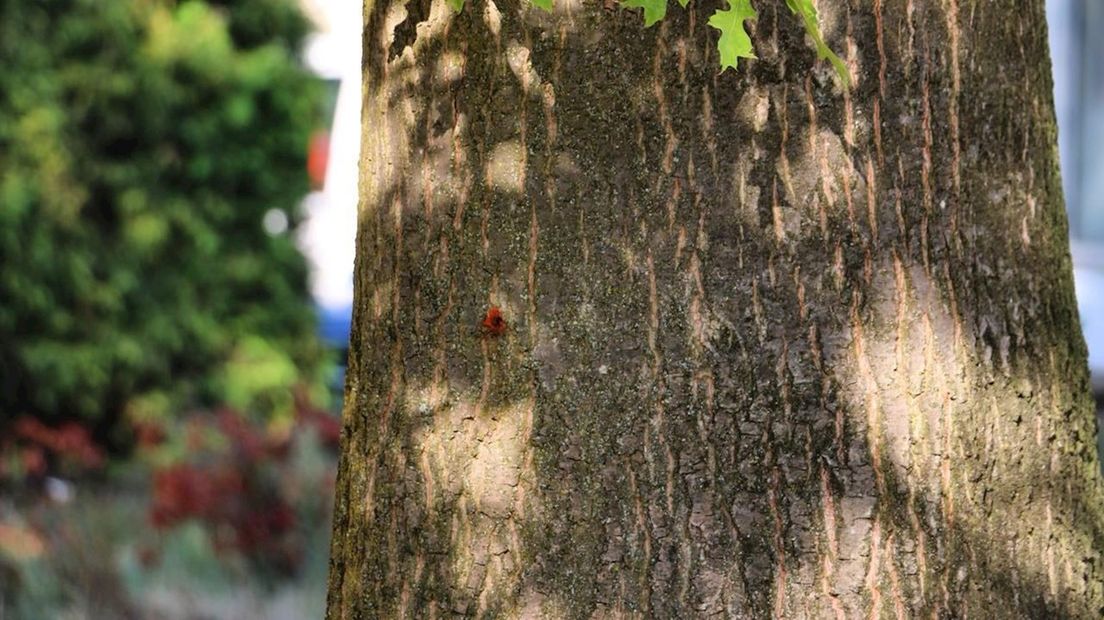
(177, 220)
(177, 212)
(1076, 29)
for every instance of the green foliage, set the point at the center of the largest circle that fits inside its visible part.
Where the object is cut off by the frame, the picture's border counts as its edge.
(734, 42)
(654, 10)
(808, 14)
(141, 144)
(259, 377)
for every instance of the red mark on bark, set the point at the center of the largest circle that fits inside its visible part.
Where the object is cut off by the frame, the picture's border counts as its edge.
(493, 323)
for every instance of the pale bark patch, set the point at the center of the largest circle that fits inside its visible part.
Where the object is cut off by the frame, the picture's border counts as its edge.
(505, 167)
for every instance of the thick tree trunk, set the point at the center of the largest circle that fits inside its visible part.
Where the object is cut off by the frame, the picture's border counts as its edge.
(772, 349)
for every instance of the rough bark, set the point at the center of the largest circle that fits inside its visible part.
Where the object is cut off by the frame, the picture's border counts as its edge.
(774, 349)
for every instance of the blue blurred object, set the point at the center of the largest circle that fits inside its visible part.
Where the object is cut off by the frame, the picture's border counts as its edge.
(334, 325)
(1088, 279)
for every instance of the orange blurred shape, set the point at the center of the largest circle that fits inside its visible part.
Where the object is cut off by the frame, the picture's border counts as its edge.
(19, 542)
(34, 461)
(318, 158)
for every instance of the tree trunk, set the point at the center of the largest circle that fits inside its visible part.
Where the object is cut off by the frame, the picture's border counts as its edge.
(771, 348)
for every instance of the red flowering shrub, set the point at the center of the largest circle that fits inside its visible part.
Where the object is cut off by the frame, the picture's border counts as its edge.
(34, 449)
(244, 489)
(325, 424)
(148, 435)
(185, 492)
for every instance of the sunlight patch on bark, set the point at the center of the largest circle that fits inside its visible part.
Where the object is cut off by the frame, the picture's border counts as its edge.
(816, 172)
(903, 377)
(504, 166)
(754, 108)
(381, 298)
(899, 374)
(518, 59)
(492, 17)
(440, 14)
(473, 464)
(396, 14)
(450, 68)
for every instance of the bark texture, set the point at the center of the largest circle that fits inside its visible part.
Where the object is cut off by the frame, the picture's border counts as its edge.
(773, 349)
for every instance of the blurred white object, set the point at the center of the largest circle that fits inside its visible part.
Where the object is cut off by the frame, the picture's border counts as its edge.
(58, 490)
(275, 222)
(328, 234)
(1088, 279)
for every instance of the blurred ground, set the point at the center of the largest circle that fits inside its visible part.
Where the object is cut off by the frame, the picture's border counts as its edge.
(169, 378)
(239, 529)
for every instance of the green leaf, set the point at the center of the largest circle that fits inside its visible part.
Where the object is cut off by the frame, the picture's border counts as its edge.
(808, 13)
(455, 5)
(683, 3)
(654, 10)
(735, 42)
(540, 4)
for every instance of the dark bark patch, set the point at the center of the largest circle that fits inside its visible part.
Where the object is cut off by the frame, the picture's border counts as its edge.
(406, 31)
